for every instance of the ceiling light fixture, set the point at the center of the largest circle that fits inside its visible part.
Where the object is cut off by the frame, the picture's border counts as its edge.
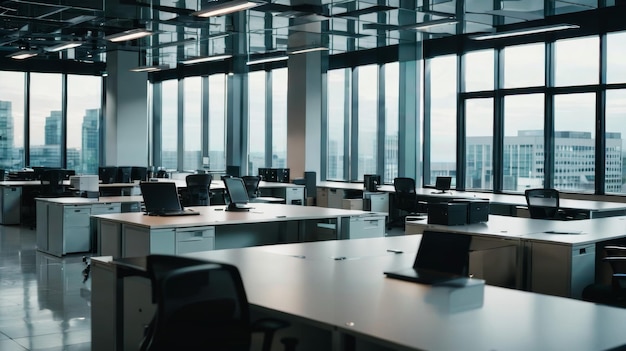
(193, 60)
(225, 8)
(302, 51)
(266, 60)
(430, 24)
(23, 54)
(128, 35)
(63, 46)
(149, 68)
(524, 31)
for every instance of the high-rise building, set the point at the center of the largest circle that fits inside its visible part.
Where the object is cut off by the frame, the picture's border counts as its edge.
(6, 134)
(53, 128)
(89, 150)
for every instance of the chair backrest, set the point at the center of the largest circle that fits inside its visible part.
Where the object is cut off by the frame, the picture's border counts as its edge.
(542, 203)
(161, 173)
(198, 189)
(139, 173)
(252, 185)
(405, 196)
(200, 305)
(52, 182)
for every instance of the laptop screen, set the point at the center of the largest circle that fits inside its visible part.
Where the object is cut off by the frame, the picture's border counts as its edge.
(443, 252)
(160, 197)
(443, 183)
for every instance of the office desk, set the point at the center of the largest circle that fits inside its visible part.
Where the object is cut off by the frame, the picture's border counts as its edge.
(558, 257)
(350, 299)
(136, 234)
(64, 225)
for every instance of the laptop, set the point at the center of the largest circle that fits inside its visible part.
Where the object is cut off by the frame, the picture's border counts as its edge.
(161, 199)
(441, 257)
(237, 194)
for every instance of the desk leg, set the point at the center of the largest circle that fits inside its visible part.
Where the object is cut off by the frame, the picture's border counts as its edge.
(342, 341)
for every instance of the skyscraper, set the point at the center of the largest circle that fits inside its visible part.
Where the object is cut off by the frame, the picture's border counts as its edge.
(6, 134)
(53, 128)
(90, 142)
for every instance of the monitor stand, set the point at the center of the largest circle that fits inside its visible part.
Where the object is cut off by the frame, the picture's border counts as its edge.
(439, 192)
(237, 207)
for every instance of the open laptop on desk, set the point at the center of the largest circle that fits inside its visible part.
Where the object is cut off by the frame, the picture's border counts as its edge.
(237, 194)
(441, 257)
(161, 199)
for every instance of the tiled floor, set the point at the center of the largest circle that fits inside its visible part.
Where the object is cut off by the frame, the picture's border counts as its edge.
(44, 304)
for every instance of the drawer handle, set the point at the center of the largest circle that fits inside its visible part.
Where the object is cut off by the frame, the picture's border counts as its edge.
(190, 240)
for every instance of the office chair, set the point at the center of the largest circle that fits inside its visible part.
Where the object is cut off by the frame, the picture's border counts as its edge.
(542, 203)
(252, 185)
(138, 173)
(161, 173)
(405, 199)
(201, 305)
(613, 294)
(197, 192)
(52, 183)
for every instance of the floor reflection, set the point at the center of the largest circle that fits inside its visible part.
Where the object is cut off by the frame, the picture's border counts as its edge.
(44, 304)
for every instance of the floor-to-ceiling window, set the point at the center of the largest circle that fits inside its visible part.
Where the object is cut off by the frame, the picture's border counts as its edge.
(339, 88)
(217, 122)
(11, 120)
(46, 119)
(479, 144)
(367, 99)
(279, 118)
(169, 124)
(192, 124)
(391, 113)
(257, 123)
(84, 97)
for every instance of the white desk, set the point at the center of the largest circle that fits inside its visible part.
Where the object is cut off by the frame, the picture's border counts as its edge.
(556, 264)
(64, 224)
(351, 299)
(136, 234)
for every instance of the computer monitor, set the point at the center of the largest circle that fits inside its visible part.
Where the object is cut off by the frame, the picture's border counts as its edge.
(107, 174)
(139, 173)
(160, 197)
(123, 174)
(237, 193)
(443, 184)
(371, 182)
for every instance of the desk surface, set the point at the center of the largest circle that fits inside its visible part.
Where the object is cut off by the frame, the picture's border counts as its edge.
(353, 296)
(216, 215)
(82, 200)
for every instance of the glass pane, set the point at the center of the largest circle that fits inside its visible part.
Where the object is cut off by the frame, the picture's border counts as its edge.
(192, 123)
(45, 119)
(392, 96)
(615, 53)
(574, 142)
(368, 126)
(279, 118)
(479, 131)
(256, 113)
(523, 142)
(84, 100)
(577, 61)
(169, 124)
(11, 120)
(524, 65)
(479, 70)
(615, 132)
(217, 122)
(442, 117)
(338, 112)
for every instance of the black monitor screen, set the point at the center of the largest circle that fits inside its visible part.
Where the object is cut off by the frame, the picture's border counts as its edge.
(160, 197)
(443, 183)
(138, 173)
(371, 182)
(107, 174)
(236, 190)
(443, 252)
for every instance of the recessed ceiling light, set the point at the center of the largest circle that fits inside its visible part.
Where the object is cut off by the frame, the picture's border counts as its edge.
(23, 54)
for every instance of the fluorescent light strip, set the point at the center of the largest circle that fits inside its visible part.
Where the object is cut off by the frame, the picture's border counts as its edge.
(431, 24)
(21, 55)
(267, 59)
(302, 51)
(63, 46)
(191, 61)
(128, 35)
(525, 31)
(149, 68)
(226, 8)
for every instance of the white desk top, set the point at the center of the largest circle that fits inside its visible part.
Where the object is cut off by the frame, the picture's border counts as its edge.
(216, 215)
(354, 296)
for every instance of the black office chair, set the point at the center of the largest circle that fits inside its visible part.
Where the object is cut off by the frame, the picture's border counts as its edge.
(52, 183)
(161, 173)
(201, 305)
(405, 199)
(197, 192)
(542, 203)
(139, 173)
(613, 294)
(252, 185)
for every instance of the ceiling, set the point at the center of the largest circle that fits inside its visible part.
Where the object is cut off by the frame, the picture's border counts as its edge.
(274, 26)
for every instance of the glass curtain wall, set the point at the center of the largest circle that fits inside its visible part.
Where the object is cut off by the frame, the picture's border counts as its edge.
(256, 116)
(169, 125)
(367, 134)
(217, 122)
(279, 118)
(46, 119)
(192, 123)
(84, 96)
(563, 99)
(339, 88)
(392, 101)
(12, 120)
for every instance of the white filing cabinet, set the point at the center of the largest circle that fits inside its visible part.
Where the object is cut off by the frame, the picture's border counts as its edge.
(376, 202)
(141, 241)
(10, 205)
(367, 226)
(194, 239)
(294, 196)
(68, 229)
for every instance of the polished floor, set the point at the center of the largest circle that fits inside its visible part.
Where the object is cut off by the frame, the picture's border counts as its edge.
(44, 304)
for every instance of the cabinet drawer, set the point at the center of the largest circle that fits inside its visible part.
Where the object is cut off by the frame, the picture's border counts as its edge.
(106, 208)
(195, 240)
(76, 216)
